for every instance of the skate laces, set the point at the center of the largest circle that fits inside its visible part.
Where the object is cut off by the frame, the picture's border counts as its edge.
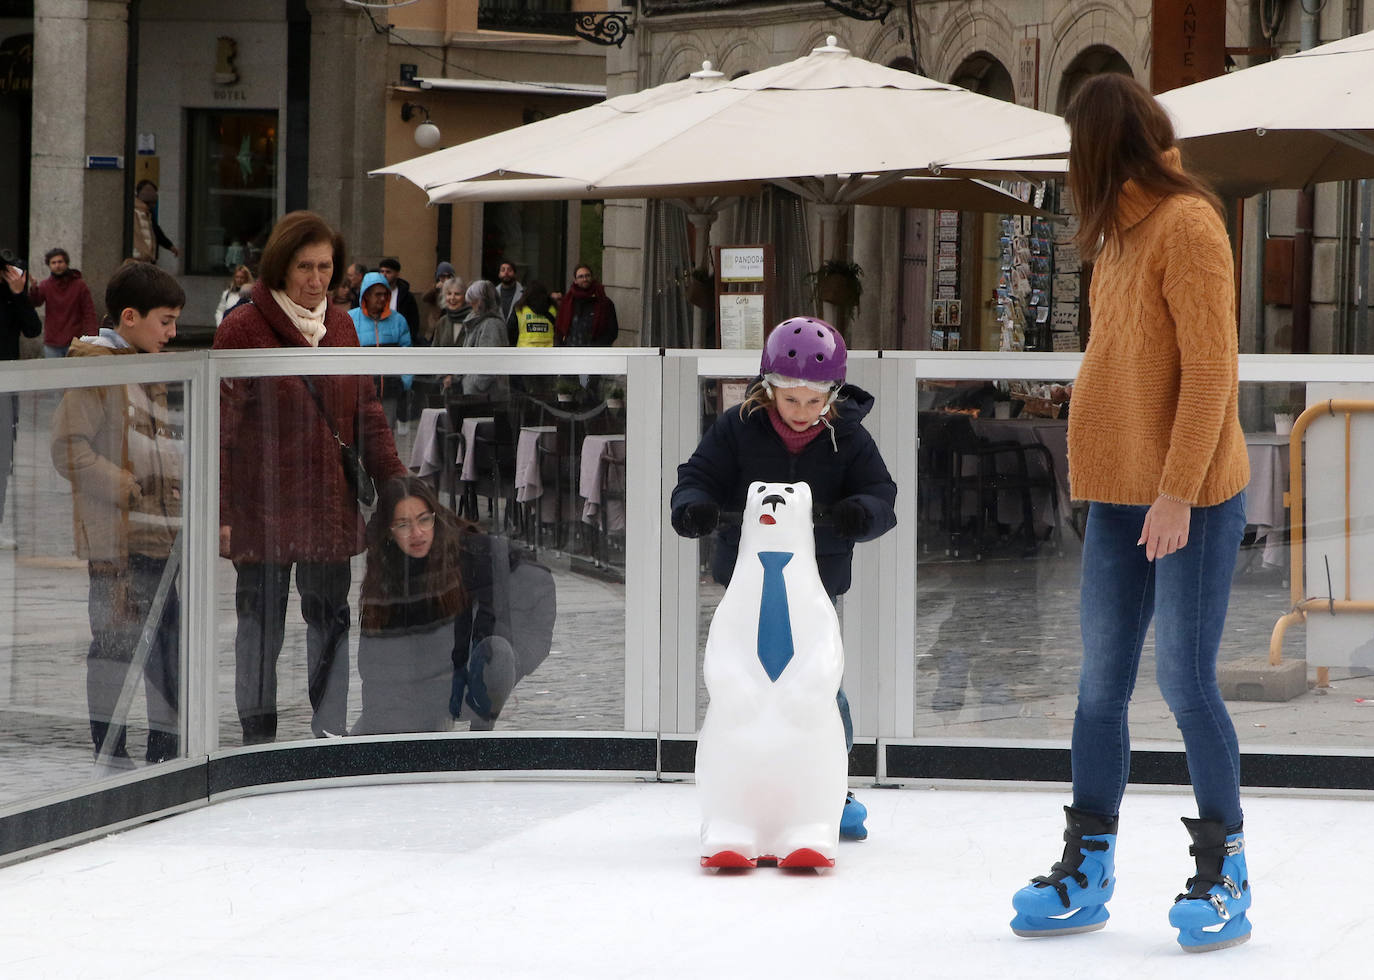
(1069, 868)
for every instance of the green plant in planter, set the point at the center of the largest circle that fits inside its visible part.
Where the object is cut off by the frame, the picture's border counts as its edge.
(838, 282)
(566, 389)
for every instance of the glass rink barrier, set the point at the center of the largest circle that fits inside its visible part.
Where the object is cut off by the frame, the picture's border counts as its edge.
(197, 607)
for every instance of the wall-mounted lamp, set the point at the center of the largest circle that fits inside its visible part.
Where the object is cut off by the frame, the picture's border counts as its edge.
(426, 134)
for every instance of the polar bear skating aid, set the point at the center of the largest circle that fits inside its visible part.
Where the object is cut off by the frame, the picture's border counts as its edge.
(771, 766)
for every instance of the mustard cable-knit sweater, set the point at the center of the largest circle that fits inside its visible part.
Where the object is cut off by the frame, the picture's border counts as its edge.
(1154, 405)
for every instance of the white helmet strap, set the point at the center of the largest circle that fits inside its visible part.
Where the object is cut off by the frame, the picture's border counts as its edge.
(774, 380)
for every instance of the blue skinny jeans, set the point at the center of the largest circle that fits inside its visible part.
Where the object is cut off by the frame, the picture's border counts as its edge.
(1121, 592)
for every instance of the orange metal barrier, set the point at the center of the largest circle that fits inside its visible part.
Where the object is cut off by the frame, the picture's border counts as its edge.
(1302, 603)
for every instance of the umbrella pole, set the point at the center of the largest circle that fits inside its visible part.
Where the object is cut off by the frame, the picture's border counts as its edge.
(701, 224)
(830, 246)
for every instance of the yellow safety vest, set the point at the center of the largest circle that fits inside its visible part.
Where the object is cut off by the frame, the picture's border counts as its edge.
(534, 329)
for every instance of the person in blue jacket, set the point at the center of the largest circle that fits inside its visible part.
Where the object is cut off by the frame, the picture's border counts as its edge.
(380, 326)
(800, 423)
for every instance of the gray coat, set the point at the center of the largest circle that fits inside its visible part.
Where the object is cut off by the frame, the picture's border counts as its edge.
(484, 330)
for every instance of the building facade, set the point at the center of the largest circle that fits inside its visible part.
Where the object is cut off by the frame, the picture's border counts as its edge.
(243, 113)
(1035, 53)
(240, 113)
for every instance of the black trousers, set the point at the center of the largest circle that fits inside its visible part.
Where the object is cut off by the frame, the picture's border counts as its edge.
(260, 599)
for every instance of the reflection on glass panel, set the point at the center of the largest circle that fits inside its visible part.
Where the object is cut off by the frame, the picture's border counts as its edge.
(488, 582)
(999, 578)
(90, 555)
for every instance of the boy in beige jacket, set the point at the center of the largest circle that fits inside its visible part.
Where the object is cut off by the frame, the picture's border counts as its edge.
(122, 453)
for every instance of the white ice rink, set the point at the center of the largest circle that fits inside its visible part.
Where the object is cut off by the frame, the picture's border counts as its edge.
(600, 880)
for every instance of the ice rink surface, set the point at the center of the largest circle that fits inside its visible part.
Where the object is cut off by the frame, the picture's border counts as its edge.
(601, 880)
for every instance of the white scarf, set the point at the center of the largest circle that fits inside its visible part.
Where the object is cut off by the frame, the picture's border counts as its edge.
(309, 322)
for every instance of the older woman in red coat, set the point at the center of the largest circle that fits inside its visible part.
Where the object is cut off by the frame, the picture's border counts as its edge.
(284, 499)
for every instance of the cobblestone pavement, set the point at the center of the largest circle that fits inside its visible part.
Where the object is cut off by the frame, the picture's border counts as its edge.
(996, 651)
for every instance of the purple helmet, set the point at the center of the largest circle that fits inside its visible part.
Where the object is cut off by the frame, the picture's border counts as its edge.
(805, 348)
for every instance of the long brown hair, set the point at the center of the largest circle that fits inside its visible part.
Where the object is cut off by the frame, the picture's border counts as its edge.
(1118, 132)
(387, 583)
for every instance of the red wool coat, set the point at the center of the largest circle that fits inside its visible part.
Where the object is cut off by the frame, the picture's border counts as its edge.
(282, 488)
(71, 312)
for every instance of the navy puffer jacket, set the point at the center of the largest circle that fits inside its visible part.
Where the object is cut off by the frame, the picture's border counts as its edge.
(736, 452)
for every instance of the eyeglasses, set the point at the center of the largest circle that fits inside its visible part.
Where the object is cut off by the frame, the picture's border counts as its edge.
(424, 522)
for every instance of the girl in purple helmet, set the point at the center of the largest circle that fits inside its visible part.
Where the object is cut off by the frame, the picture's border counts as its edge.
(800, 423)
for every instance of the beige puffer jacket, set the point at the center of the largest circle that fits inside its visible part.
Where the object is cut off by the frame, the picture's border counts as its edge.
(118, 448)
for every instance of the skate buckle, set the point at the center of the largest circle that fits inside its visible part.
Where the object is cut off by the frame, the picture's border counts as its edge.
(1234, 847)
(1219, 904)
(1229, 884)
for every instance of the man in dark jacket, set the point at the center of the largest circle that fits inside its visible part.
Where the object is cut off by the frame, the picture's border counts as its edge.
(16, 317)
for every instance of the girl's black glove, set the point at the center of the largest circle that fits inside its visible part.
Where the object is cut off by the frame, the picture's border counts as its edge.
(850, 519)
(696, 520)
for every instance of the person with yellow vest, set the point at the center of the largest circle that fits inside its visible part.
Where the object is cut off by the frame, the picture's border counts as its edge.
(532, 319)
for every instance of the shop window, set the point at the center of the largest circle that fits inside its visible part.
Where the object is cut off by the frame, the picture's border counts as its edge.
(231, 188)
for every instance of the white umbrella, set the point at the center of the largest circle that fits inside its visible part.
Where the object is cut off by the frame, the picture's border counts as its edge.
(1300, 120)
(825, 114)
(830, 127)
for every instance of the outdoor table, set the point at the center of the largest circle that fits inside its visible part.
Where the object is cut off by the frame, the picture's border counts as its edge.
(426, 455)
(529, 479)
(1264, 506)
(589, 484)
(1053, 434)
(468, 473)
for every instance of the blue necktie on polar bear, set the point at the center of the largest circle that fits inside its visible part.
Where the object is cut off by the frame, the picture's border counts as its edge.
(775, 623)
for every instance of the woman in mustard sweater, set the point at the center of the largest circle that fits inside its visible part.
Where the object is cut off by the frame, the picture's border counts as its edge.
(1156, 447)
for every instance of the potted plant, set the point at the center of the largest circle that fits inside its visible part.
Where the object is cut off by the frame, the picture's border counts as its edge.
(566, 389)
(1001, 403)
(615, 397)
(838, 282)
(1284, 415)
(701, 287)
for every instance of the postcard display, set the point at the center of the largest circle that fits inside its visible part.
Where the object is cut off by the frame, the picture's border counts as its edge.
(1037, 279)
(946, 314)
(1066, 285)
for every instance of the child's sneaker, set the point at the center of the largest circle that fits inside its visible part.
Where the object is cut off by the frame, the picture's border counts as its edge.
(852, 819)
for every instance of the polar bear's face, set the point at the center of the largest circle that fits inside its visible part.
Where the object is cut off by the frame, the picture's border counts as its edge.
(777, 517)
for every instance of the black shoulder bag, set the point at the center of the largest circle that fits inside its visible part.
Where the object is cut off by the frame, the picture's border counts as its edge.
(359, 481)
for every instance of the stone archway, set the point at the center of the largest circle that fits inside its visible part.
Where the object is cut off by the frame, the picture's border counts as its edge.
(981, 72)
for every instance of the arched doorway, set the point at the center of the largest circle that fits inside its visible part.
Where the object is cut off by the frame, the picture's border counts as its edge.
(982, 73)
(969, 307)
(1095, 60)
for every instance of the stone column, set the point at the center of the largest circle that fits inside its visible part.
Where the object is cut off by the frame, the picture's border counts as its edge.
(80, 55)
(348, 78)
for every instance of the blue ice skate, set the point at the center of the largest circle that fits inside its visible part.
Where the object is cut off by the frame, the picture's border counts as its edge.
(852, 819)
(1072, 898)
(1211, 913)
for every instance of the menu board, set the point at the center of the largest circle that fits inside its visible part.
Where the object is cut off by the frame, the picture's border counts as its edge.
(741, 320)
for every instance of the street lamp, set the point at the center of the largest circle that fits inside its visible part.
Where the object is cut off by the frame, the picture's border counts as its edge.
(426, 134)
